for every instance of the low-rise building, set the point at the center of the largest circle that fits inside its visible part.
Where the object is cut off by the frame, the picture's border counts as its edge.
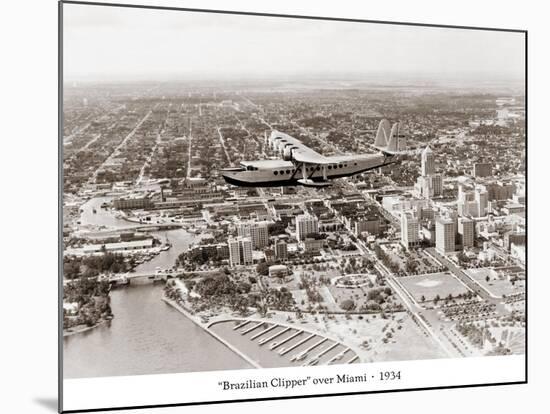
(118, 247)
(313, 245)
(132, 203)
(279, 271)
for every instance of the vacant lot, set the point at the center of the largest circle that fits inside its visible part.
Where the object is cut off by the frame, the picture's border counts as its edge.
(431, 285)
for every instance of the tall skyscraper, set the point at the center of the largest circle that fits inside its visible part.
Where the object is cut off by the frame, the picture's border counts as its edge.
(246, 251)
(240, 251)
(259, 234)
(466, 229)
(409, 230)
(473, 203)
(305, 225)
(257, 231)
(428, 162)
(429, 184)
(482, 198)
(445, 235)
(436, 185)
(234, 252)
(243, 229)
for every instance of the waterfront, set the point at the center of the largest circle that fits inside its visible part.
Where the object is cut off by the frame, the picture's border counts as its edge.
(147, 336)
(279, 345)
(180, 239)
(101, 217)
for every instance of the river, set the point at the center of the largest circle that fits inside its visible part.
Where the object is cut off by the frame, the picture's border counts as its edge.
(146, 336)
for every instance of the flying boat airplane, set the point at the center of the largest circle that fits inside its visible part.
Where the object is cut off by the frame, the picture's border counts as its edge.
(300, 165)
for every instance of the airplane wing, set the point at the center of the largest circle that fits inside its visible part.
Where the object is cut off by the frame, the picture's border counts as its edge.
(308, 156)
(300, 152)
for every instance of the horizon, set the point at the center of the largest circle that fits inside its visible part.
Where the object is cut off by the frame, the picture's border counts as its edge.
(119, 44)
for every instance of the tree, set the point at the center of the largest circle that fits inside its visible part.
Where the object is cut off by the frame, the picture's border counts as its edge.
(347, 304)
(410, 265)
(262, 268)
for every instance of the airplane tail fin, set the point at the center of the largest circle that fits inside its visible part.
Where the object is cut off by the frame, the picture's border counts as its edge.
(383, 134)
(393, 142)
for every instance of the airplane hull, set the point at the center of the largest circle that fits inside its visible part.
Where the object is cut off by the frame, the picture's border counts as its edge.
(272, 183)
(255, 181)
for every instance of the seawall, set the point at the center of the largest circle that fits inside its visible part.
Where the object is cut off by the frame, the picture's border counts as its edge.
(193, 319)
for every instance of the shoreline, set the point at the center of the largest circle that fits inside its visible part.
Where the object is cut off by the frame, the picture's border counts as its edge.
(66, 334)
(193, 319)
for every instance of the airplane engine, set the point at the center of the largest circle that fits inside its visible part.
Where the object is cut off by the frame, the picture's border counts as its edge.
(287, 154)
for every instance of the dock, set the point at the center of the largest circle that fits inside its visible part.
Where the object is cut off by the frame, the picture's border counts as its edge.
(351, 361)
(276, 335)
(297, 344)
(315, 345)
(338, 356)
(263, 332)
(320, 354)
(252, 328)
(241, 325)
(284, 341)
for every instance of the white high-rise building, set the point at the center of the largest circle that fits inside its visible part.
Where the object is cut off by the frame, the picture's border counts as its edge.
(257, 231)
(234, 252)
(473, 203)
(240, 251)
(246, 251)
(243, 229)
(409, 230)
(482, 200)
(429, 184)
(428, 162)
(445, 235)
(305, 225)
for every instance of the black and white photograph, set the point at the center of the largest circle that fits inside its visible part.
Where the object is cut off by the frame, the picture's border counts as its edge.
(246, 192)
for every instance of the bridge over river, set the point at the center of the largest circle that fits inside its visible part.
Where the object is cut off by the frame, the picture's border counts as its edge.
(157, 275)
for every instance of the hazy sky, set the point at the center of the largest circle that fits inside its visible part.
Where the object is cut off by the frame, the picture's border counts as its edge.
(112, 43)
